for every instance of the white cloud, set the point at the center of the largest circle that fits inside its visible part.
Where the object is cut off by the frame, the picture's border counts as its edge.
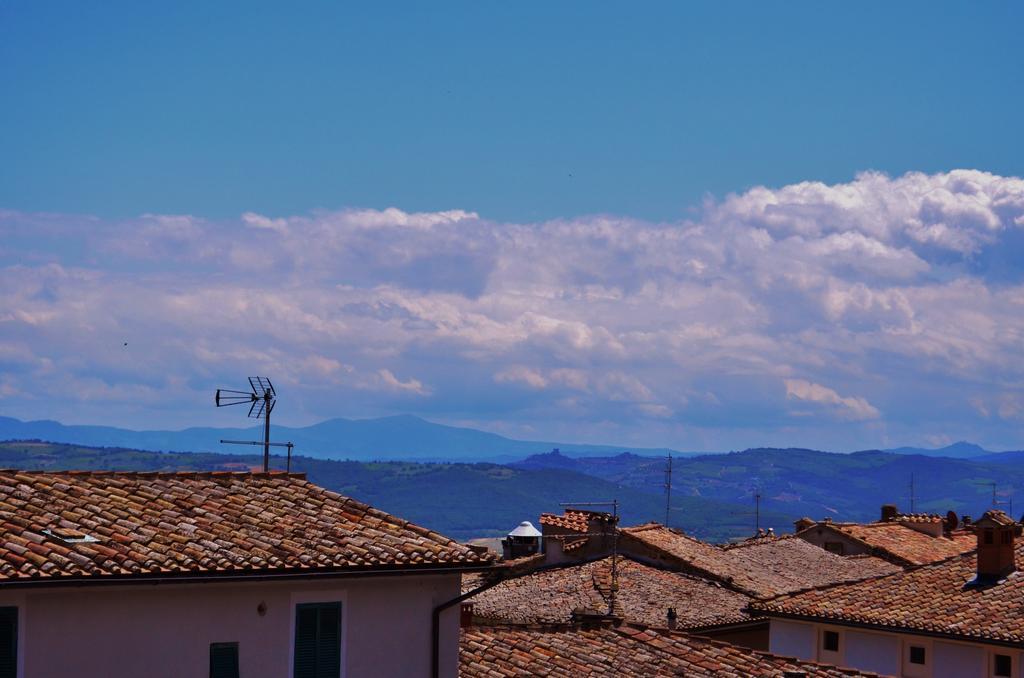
(259, 221)
(410, 386)
(903, 290)
(853, 408)
(522, 375)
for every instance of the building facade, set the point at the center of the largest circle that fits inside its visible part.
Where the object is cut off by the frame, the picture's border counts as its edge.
(957, 618)
(221, 575)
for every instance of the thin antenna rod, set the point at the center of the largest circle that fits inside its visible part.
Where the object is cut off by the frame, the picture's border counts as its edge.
(668, 488)
(615, 557)
(266, 438)
(757, 512)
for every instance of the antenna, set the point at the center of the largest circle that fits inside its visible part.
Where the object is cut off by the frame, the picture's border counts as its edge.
(996, 501)
(757, 512)
(262, 398)
(289, 445)
(668, 488)
(757, 496)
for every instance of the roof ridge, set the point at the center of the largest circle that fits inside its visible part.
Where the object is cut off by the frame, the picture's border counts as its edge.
(755, 541)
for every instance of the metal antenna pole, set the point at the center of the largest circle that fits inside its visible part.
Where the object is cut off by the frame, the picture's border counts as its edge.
(668, 488)
(757, 512)
(266, 436)
(261, 398)
(266, 446)
(615, 556)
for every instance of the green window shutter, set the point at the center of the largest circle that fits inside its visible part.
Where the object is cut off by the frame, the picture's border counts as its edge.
(8, 642)
(305, 641)
(223, 660)
(317, 640)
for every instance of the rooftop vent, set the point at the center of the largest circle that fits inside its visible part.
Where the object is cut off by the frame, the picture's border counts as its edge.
(69, 536)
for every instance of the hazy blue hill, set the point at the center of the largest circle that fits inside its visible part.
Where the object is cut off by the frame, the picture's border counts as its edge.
(798, 482)
(400, 437)
(959, 450)
(1012, 457)
(460, 500)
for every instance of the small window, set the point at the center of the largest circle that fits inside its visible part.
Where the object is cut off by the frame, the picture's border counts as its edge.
(8, 642)
(988, 537)
(830, 641)
(1003, 666)
(917, 655)
(317, 640)
(223, 660)
(1004, 537)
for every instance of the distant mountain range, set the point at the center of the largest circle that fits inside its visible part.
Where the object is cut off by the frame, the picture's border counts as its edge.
(401, 437)
(960, 450)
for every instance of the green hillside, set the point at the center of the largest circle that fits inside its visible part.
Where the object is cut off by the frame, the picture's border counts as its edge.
(460, 500)
(799, 482)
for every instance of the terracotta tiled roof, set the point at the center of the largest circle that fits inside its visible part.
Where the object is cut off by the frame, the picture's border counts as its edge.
(905, 544)
(574, 519)
(764, 567)
(570, 545)
(208, 524)
(626, 651)
(701, 555)
(645, 594)
(789, 564)
(996, 517)
(932, 598)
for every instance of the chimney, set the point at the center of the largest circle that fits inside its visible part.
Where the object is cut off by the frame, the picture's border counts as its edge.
(952, 522)
(995, 531)
(803, 524)
(889, 512)
(465, 615)
(672, 618)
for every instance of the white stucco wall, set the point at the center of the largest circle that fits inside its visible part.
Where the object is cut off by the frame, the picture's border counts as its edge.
(887, 653)
(956, 660)
(792, 639)
(872, 652)
(164, 631)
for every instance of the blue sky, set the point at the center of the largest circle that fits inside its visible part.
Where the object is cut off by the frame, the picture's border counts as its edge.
(123, 108)
(698, 225)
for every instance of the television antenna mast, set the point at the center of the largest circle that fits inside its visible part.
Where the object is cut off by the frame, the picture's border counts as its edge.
(668, 488)
(996, 501)
(262, 398)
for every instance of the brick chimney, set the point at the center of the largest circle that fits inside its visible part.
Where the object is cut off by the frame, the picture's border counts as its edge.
(995, 531)
(803, 524)
(889, 513)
